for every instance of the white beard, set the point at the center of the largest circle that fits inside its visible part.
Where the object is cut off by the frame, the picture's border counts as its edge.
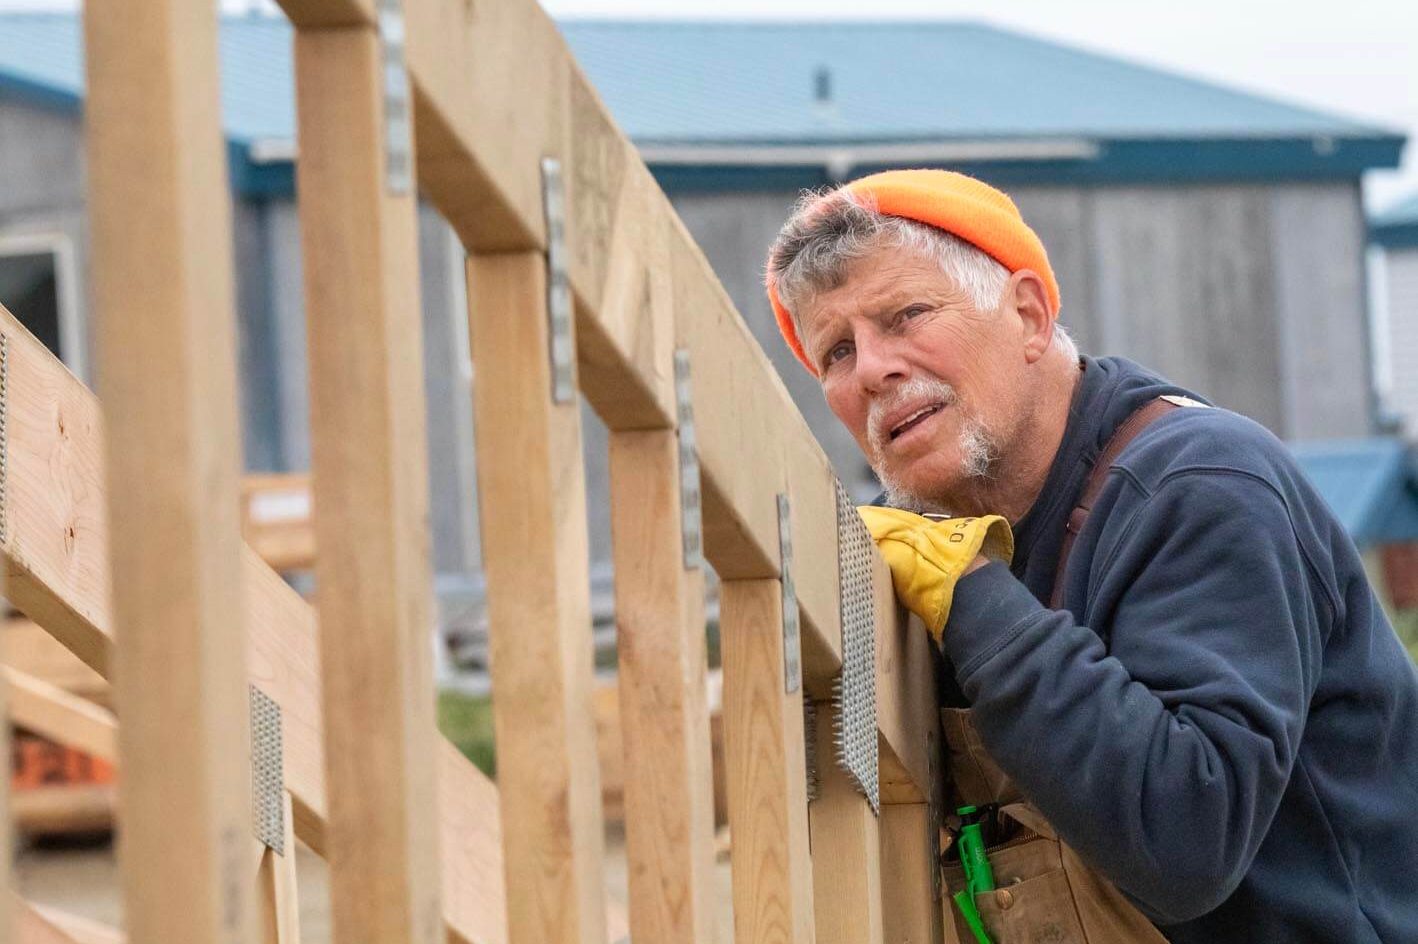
(979, 454)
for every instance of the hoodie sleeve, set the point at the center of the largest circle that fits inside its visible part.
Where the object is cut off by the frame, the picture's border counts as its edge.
(1160, 754)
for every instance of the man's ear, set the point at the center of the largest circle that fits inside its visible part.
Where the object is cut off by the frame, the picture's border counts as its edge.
(1030, 302)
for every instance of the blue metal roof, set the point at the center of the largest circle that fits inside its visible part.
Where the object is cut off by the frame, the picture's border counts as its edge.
(756, 83)
(42, 53)
(1397, 227)
(1371, 484)
(722, 84)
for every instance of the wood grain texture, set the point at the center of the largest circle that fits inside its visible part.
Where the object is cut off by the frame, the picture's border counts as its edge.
(846, 851)
(162, 276)
(910, 842)
(532, 501)
(63, 718)
(282, 650)
(669, 798)
(767, 785)
(369, 485)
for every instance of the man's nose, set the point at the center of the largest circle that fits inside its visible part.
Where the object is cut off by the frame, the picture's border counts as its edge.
(880, 362)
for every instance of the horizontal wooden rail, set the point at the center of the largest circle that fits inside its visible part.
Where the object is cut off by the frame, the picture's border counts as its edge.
(50, 711)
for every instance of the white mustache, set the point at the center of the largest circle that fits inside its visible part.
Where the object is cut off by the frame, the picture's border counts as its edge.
(917, 389)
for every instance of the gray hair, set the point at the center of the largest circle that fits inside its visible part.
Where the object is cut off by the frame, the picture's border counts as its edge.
(829, 231)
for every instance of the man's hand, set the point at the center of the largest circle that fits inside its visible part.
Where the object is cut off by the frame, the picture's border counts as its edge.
(928, 557)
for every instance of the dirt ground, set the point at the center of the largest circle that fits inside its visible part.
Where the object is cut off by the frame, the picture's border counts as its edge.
(83, 879)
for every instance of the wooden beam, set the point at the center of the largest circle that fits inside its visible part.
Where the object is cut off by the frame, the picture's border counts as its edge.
(55, 552)
(35, 924)
(276, 884)
(532, 502)
(911, 899)
(63, 718)
(669, 798)
(80, 929)
(846, 851)
(369, 484)
(159, 205)
(767, 772)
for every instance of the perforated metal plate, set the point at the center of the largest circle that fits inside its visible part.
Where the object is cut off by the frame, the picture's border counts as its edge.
(268, 805)
(855, 689)
(398, 120)
(690, 510)
(814, 782)
(563, 388)
(792, 642)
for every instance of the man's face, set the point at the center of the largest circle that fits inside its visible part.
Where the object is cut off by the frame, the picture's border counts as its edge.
(933, 389)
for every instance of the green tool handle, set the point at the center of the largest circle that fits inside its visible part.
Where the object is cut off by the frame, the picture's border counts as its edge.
(978, 874)
(965, 901)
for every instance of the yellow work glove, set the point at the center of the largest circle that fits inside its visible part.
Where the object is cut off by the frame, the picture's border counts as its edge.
(928, 556)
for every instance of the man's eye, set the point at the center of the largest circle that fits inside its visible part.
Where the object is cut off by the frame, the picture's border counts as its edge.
(912, 311)
(837, 352)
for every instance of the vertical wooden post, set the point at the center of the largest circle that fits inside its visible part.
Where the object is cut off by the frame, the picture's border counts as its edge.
(159, 204)
(369, 488)
(767, 772)
(911, 906)
(280, 905)
(532, 504)
(669, 798)
(846, 851)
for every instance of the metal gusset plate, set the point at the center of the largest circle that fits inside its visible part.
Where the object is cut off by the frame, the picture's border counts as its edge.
(563, 387)
(854, 691)
(268, 804)
(814, 782)
(398, 115)
(690, 507)
(792, 635)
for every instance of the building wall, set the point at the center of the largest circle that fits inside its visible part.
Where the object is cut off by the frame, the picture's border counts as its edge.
(1400, 272)
(1253, 295)
(42, 197)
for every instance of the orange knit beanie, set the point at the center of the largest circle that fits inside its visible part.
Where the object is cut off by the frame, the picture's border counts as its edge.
(964, 206)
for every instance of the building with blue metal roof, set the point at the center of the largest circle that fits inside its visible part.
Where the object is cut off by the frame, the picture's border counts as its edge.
(1397, 226)
(1213, 234)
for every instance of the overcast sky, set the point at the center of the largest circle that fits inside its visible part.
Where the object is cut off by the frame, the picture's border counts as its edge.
(1358, 57)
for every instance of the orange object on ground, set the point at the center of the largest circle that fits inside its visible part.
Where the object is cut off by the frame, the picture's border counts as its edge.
(971, 209)
(39, 762)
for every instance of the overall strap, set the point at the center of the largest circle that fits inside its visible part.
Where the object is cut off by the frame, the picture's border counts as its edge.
(1141, 418)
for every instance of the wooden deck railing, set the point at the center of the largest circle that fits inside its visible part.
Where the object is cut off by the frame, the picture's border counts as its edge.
(581, 282)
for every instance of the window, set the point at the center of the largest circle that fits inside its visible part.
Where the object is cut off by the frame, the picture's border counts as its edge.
(37, 286)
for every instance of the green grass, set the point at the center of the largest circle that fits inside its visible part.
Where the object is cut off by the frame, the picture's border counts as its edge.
(1405, 623)
(467, 722)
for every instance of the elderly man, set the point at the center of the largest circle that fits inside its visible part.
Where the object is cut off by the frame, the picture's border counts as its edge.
(1184, 668)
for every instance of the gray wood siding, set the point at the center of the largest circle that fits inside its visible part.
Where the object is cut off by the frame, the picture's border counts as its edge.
(1184, 285)
(1401, 285)
(1318, 237)
(41, 158)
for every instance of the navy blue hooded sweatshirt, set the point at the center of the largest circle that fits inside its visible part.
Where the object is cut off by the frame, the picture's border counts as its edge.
(1221, 719)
